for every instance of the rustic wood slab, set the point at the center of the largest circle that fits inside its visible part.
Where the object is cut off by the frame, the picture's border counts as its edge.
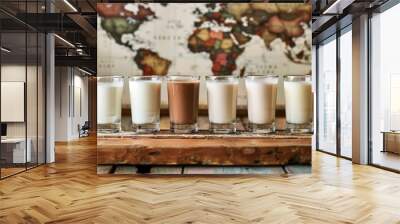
(204, 149)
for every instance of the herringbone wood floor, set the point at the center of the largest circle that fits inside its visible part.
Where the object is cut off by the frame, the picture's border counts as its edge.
(69, 191)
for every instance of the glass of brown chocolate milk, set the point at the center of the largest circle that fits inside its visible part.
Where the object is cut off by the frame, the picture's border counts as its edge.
(183, 101)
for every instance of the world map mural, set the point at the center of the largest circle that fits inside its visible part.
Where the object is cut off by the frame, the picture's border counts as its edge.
(204, 38)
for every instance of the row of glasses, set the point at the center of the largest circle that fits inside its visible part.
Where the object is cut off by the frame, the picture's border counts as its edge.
(222, 91)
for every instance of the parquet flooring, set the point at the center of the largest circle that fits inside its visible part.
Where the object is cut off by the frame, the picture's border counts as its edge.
(69, 191)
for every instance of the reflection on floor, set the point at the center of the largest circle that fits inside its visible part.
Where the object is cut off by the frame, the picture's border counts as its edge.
(5, 172)
(387, 159)
(11, 169)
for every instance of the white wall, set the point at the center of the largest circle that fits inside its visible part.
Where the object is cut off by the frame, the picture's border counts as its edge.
(71, 87)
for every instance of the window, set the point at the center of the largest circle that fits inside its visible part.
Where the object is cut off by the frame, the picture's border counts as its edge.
(385, 89)
(327, 96)
(346, 92)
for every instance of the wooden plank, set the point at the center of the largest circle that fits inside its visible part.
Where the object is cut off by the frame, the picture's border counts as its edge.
(205, 150)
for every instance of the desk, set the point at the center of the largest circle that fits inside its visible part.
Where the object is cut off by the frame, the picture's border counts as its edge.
(391, 141)
(13, 150)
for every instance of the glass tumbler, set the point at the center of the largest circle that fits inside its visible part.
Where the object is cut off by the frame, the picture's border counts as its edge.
(109, 103)
(145, 96)
(183, 102)
(261, 102)
(298, 103)
(222, 94)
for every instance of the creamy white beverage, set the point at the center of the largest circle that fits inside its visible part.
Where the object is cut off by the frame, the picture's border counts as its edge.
(261, 99)
(222, 94)
(109, 100)
(298, 102)
(145, 97)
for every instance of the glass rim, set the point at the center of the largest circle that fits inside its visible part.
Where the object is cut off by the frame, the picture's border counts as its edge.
(252, 77)
(222, 78)
(111, 77)
(296, 77)
(183, 77)
(147, 77)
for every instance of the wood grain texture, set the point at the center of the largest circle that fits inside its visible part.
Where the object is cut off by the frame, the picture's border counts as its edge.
(70, 191)
(234, 150)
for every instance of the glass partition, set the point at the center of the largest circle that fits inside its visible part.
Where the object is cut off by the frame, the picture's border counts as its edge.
(15, 150)
(22, 88)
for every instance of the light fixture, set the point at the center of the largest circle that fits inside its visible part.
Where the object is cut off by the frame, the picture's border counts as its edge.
(70, 5)
(80, 51)
(64, 40)
(5, 50)
(84, 71)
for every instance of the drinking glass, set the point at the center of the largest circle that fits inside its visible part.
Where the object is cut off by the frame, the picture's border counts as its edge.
(298, 103)
(222, 94)
(145, 96)
(183, 101)
(261, 102)
(109, 103)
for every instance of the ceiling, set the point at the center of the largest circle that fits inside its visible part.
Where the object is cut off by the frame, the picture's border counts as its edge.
(332, 15)
(74, 22)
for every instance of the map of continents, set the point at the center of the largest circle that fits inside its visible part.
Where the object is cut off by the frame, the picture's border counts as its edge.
(205, 38)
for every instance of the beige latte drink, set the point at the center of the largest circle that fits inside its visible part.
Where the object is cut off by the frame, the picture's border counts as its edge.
(298, 103)
(261, 102)
(222, 94)
(183, 101)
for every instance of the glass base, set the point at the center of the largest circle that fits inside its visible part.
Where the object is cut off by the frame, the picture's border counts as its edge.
(261, 128)
(146, 128)
(183, 128)
(229, 128)
(109, 128)
(299, 128)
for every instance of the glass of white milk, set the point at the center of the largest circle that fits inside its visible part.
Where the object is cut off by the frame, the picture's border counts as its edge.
(109, 103)
(222, 94)
(261, 102)
(298, 103)
(145, 96)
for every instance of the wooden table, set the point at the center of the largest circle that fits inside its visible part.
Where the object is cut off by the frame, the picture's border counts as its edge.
(204, 149)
